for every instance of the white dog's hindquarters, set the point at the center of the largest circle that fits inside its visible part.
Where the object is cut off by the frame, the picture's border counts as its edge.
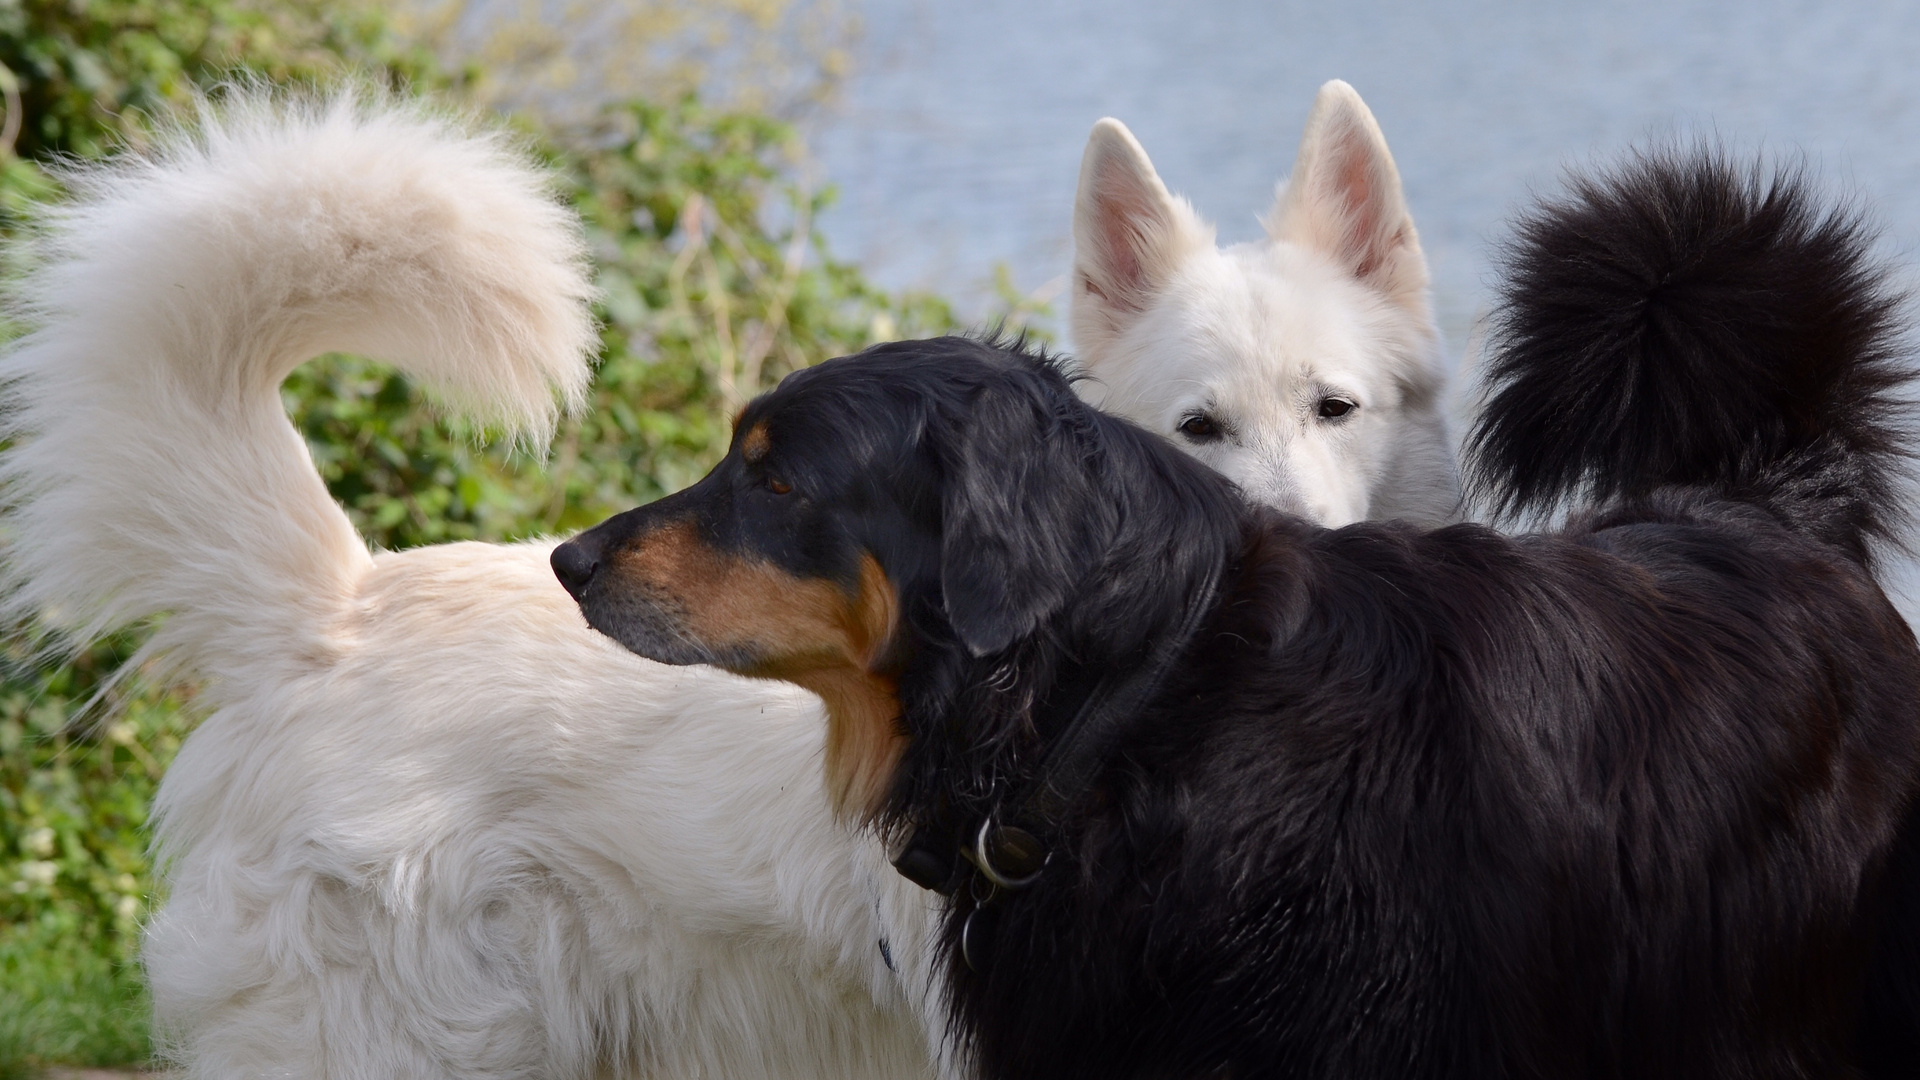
(154, 470)
(434, 827)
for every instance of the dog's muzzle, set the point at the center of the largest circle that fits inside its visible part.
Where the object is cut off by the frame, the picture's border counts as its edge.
(639, 615)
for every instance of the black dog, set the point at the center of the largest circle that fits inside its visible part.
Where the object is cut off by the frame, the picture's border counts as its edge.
(1242, 797)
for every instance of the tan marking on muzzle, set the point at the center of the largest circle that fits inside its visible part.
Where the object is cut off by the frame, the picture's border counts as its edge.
(807, 631)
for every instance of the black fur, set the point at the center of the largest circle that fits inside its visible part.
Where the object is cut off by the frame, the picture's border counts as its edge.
(1613, 802)
(1685, 321)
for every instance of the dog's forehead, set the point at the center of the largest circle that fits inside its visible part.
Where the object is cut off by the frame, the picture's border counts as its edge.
(806, 397)
(887, 381)
(1265, 320)
(840, 415)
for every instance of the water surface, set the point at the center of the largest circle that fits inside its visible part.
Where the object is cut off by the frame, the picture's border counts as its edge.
(957, 140)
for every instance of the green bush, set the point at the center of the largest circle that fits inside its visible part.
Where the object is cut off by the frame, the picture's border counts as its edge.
(93, 73)
(74, 876)
(715, 284)
(705, 303)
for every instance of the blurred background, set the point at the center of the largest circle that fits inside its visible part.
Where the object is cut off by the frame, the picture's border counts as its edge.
(955, 136)
(767, 183)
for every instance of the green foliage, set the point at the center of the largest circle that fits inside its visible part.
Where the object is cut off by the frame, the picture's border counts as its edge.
(566, 60)
(714, 284)
(93, 73)
(83, 77)
(705, 303)
(74, 876)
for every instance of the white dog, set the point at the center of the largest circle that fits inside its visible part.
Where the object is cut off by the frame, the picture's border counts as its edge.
(1306, 367)
(434, 826)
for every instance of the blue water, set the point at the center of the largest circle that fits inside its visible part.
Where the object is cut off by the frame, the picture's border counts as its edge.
(957, 139)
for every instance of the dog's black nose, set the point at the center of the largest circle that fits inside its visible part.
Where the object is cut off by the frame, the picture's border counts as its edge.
(574, 564)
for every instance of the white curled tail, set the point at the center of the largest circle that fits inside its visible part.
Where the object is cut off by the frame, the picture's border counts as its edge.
(151, 468)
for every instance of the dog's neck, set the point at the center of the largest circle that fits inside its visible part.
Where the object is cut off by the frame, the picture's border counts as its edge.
(1023, 734)
(1109, 556)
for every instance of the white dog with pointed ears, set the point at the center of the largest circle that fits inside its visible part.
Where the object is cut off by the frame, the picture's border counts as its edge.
(433, 825)
(1306, 367)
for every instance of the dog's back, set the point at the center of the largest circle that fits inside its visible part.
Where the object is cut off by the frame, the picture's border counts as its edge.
(1586, 806)
(1616, 801)
(1594, 805)
(1688, 342)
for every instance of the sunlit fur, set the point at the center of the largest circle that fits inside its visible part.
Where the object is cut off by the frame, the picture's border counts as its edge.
(434, 826)
(1332, 303)
(1634, 798)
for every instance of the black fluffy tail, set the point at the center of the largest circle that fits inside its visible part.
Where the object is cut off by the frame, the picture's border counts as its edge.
(1683, 321)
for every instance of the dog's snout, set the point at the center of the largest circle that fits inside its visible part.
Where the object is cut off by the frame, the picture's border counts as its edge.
(574, 563)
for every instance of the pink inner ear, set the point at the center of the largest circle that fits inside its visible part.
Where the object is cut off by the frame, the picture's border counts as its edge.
(1356, 198)
(1124, 214)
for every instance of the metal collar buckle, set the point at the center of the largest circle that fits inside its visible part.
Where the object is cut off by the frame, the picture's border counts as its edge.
(1010, 857)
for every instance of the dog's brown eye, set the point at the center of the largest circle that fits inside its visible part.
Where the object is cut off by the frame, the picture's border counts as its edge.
(1334, 408)
(777, 486)
(1199, 427)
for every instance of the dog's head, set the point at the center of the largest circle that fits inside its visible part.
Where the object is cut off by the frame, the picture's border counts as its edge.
(920, 498)
(1304, 367)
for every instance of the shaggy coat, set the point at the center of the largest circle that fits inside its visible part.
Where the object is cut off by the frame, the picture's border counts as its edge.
(434, 826)
(1617, 800)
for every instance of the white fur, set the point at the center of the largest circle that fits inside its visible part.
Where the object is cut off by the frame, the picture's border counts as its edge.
(1333, 303)
(488, 842)
(435, 826)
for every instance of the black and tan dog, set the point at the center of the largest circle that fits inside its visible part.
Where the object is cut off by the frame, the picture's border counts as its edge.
(1217, 793)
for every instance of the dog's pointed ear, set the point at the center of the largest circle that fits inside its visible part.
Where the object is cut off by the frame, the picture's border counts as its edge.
(1022, 525)
(1129, 235)
(1344, 199)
